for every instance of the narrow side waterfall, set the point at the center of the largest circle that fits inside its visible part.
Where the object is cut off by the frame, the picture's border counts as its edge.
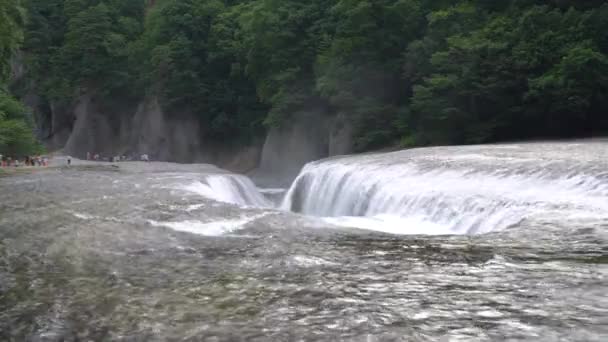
(456, 190)
(230, 188)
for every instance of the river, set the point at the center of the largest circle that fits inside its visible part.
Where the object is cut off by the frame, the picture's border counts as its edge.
(476, 243)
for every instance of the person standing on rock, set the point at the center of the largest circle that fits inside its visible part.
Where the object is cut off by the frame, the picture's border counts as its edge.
(69, 160)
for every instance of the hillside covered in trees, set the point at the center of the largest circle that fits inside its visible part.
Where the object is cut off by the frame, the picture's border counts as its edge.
(409, 72)
(16, 136)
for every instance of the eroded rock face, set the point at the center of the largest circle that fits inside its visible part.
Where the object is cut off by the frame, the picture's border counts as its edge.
(310, 135)
(132, 129)
(288, 147)
(340, 135)
(175, 139)
(96, 127)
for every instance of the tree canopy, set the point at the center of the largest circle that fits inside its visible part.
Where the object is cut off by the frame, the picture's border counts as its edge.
(16, 137)
(11, 23)
(414, 72)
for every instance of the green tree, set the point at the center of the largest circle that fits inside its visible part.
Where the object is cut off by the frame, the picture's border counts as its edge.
(522, 73)
(194, 62)
(359, 69)
(11, 22)
(416, 71)
(281, 41)
(16, 136)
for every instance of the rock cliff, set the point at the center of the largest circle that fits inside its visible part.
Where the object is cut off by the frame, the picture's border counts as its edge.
(133, 128)
(310, 135)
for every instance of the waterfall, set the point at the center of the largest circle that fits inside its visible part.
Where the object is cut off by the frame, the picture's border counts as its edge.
(229, 188)
(456, 190)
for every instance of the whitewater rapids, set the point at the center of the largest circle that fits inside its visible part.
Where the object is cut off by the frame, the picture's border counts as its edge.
(438, 191)
(485, 243)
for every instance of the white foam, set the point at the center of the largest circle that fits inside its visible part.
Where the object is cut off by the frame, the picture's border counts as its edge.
(310, 261)
(490, 314)
(88, 217)
(391, 224)
(272, 191)
(82, 216)
(194, 207)
(213, 228)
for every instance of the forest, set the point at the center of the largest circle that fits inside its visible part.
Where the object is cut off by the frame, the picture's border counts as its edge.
(403, 72)
(16, 127)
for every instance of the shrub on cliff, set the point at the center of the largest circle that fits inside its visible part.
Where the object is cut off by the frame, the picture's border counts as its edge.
(16, 138)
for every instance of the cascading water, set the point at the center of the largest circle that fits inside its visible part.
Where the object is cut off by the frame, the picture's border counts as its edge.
(444, 190)
(456, 190)
(138, 248)
(229, 188)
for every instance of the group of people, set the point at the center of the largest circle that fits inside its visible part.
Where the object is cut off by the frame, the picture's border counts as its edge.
(114, 159)
(97, 157)
(44, 161)
(92, 156)
(26, 161)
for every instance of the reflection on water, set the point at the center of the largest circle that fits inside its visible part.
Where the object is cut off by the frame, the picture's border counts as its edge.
(103, 254)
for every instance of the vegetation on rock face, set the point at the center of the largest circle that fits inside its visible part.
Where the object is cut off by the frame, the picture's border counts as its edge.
(16, 137)
(11, 22)
(417, 72)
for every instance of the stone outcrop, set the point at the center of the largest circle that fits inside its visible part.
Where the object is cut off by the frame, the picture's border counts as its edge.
(310, 135)
(132, 129)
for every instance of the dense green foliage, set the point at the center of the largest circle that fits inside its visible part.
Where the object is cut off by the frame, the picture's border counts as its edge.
(16, 137)
(11, 22)
(411, 71)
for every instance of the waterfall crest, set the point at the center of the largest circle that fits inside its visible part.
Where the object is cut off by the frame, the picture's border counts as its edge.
(230, 188)
(456, 190)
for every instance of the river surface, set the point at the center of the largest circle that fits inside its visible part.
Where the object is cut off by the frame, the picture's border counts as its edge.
(493, 243)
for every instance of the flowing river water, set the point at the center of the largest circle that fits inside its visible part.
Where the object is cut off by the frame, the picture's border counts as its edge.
(477, 243)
